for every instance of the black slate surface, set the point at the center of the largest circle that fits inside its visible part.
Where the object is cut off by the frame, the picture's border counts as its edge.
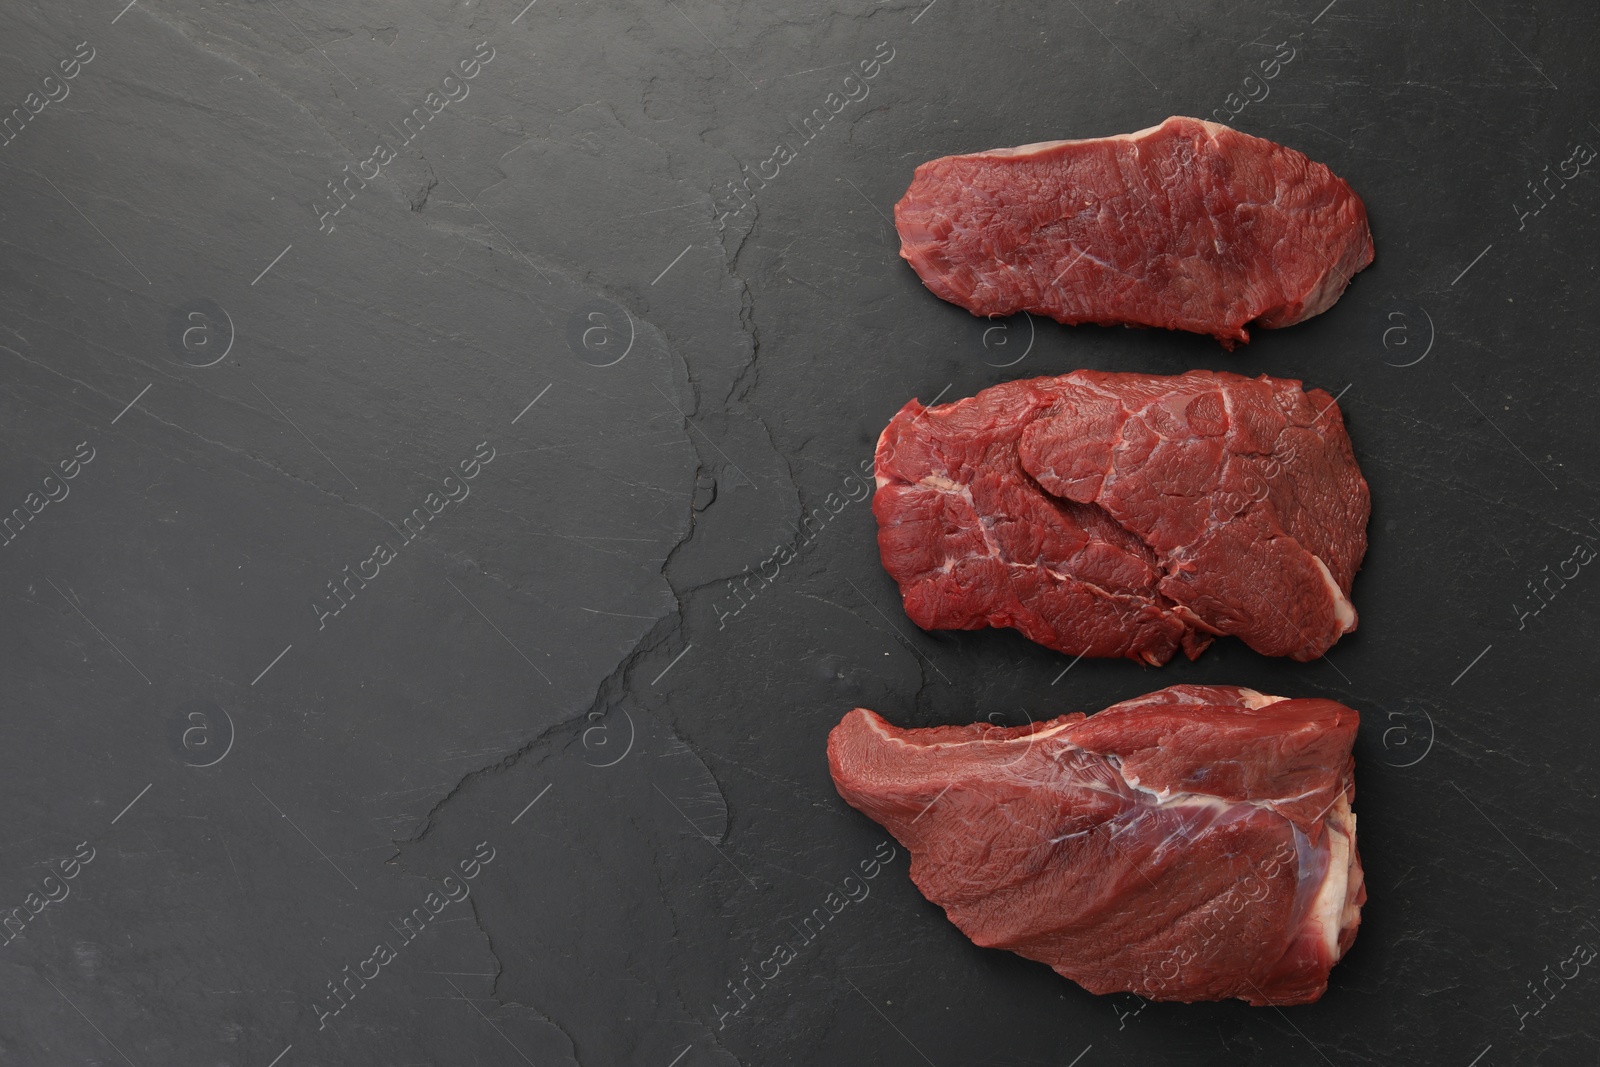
(542, 681)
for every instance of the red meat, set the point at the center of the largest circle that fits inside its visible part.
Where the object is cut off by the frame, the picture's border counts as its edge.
(1127, 514)
(1193, 844)
(1187, 225)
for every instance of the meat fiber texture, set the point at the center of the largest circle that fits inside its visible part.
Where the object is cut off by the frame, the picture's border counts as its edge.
(1193, 844)
(1188, 225)
(1108, 514)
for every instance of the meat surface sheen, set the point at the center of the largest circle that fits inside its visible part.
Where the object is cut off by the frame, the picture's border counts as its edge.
(1188, 225)
(1118, 514)
(1196, 843)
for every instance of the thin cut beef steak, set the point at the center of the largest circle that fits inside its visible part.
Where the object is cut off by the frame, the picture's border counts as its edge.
(1193, 844)
(1127, 514)
(1187, 225)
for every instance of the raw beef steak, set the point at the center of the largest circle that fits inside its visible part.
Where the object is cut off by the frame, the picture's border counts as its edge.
(1193, 844)
(1127, 514)
(1188, 225)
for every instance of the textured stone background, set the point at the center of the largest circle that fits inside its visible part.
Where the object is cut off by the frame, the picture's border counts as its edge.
(267, 401)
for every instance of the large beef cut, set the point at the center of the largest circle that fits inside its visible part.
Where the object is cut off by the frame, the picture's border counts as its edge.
(1187, 225)
(1193, 844)
(1127, 514)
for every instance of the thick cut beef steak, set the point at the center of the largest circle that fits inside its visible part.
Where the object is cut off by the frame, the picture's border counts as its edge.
(1188, 225)
(1127, 514)
(1193, 844)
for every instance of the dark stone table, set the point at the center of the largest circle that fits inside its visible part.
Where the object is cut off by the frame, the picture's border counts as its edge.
(437, 545)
